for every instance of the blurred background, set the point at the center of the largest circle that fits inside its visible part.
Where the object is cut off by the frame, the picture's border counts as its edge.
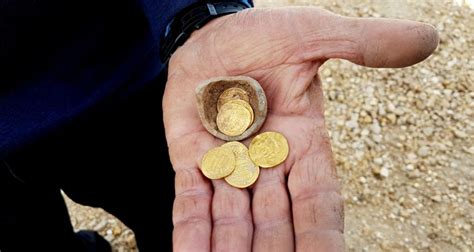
(403, 139)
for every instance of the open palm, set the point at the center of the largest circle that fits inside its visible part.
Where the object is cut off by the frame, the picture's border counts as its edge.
(296, 205)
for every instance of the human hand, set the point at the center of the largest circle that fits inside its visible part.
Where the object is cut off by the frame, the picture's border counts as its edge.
(296, 205)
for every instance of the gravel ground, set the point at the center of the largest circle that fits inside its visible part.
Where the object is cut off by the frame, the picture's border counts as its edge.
(403, 139)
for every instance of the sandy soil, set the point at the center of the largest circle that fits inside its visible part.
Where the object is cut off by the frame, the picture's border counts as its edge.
(403, 139)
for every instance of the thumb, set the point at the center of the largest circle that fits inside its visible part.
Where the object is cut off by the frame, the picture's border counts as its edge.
(372, 42)
(297, 34)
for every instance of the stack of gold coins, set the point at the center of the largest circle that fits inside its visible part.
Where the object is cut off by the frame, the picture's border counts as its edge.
(235, 115)
(232, 161)
(239, 166)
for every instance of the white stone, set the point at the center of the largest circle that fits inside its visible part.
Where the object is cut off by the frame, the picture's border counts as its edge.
(423, 151)
(384, 172)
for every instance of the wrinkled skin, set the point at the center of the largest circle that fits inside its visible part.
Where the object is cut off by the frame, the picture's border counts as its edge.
(297, 205)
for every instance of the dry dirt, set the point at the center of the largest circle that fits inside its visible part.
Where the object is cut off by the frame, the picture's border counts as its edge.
(403, 139)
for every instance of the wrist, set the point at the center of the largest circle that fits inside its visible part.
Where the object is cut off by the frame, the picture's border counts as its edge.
(193, 18)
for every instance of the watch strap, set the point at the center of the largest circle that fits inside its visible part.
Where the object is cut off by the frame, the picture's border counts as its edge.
(193, 18)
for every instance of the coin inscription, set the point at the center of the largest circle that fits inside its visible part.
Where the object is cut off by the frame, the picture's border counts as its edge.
(247, 106)
(244, 174)
(268, 149)
(233, 119)
(218, 163)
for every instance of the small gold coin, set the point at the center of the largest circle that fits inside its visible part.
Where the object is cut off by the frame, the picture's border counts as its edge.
(233, 119)
(268, 149)
(229, 94)
(246, 172)
(247, 106)
(218, 163)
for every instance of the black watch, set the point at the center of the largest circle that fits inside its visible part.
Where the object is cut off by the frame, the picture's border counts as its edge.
(193, 18)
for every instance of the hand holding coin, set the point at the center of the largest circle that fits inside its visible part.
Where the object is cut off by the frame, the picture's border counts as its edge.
(295, 205)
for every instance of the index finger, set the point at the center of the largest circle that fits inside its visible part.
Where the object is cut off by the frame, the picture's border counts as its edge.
(192, 218)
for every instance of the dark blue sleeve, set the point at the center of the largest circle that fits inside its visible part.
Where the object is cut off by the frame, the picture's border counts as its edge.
(61, 58)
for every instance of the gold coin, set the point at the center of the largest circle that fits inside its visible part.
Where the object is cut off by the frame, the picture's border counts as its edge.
(218, 163)
(233, 93)
(268, 149)
(233, 119)
(246, 105)
(245, 172)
